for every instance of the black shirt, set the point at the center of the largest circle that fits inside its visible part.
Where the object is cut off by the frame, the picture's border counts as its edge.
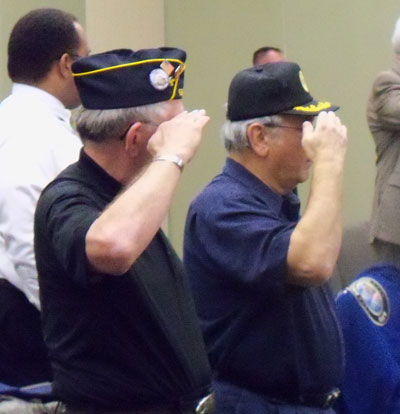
(114, 341)
(261, 331)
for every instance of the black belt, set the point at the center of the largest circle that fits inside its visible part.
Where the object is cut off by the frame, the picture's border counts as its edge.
(325, 400)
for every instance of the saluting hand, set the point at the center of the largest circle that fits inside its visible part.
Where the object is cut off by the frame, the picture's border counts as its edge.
(180, 135)
(327, 141)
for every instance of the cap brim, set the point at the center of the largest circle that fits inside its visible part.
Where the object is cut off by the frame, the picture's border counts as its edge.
(312, 108)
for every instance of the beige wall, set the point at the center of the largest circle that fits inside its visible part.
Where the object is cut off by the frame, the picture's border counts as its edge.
(340, 45)
(133, 24)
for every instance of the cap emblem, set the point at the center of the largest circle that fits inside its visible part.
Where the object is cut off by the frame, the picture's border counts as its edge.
(303, 81)
(159, 79)
(167, 67)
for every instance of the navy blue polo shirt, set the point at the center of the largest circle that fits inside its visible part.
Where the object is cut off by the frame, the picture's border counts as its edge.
(261, 332)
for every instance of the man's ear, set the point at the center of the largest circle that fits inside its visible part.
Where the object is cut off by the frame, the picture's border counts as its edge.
(133, 138)
(258, 139)
(64, 65)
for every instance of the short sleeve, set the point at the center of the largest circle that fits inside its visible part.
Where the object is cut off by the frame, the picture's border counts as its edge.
(242, 239)
(65, 222)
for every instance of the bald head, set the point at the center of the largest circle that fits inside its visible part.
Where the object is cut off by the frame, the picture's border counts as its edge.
(268, 55)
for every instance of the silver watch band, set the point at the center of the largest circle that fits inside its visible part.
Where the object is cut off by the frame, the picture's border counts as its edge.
(171, 158)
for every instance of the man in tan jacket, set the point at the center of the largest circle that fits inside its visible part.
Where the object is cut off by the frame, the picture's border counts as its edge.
(383, 114)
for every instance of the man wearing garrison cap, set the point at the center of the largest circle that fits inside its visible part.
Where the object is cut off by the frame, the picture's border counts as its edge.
(258, 270)
(118, 318)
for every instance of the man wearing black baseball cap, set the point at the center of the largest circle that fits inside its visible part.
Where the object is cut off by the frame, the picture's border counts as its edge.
(258, 270)
(118, 317)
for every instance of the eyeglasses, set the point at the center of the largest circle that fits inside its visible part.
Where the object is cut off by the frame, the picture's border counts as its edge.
(122, 136)
(284, 126)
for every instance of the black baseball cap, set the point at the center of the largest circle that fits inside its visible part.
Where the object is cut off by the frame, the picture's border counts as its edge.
(271, 89)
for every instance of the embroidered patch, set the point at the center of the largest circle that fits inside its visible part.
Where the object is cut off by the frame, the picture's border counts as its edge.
(313, 108)
(373, 298)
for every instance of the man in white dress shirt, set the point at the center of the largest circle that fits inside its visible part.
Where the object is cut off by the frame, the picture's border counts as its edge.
(36, 143)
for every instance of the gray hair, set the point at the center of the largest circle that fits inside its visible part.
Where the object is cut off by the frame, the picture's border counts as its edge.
(234, 133)
(396, 37)
(100, 125)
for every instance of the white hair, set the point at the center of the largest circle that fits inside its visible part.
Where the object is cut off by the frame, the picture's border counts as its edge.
(234, 133)
(103, 124)
(396, 37)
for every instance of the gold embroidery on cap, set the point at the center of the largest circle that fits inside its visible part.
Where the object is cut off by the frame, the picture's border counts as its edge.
(312, 108)
(178, 72)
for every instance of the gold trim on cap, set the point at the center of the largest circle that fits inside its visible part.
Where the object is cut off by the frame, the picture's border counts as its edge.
(175, 87)
(125, 65)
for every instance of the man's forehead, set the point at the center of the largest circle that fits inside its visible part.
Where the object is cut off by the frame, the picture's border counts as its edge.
(83, 42)
(270, 56)
(170, 109)
(175, 107)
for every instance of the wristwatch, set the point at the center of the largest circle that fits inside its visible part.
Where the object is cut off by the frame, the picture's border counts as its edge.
(171, 158)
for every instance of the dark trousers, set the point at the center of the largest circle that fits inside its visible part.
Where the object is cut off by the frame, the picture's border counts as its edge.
(23, 355)
(230, 399)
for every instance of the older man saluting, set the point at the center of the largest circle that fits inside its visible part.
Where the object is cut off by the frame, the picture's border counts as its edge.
(118, 317)
(258, 270)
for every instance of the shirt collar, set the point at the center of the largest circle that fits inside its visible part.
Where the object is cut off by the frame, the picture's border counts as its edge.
(49, 100)
(278, 202)
(97, 176)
